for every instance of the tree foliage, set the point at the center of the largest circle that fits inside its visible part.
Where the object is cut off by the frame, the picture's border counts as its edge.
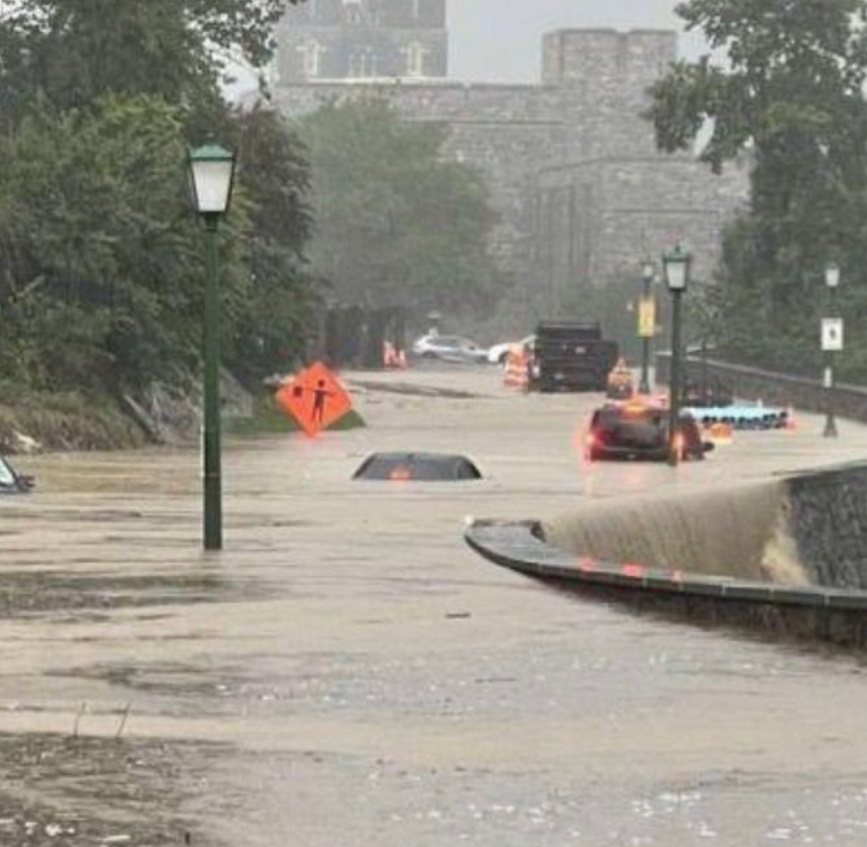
(100, 248)
(278, 314)
(396, 224)
(788, 96)
(69, 53)
(101, 258)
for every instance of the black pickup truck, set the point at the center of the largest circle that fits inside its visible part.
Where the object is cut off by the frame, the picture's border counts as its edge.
(571, 356)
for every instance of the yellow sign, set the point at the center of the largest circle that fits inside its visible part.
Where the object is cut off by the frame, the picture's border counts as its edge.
(646, 317)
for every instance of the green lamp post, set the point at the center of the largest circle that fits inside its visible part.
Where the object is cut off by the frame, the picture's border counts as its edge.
(212, 173)
(676, 264)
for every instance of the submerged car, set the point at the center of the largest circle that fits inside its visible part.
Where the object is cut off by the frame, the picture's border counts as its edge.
(12, 482)
(640, 431)
(449, 348)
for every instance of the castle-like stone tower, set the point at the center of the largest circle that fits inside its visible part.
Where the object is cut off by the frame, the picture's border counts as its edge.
(363, 40)
(583, 194)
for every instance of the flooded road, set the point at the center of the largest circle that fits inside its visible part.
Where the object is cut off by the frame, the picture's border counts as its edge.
(347, 672)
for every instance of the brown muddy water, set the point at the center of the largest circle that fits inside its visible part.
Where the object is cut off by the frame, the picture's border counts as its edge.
(347, 672)
(741, 531)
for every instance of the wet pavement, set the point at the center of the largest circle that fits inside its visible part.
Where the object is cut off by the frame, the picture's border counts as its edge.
(347, 672)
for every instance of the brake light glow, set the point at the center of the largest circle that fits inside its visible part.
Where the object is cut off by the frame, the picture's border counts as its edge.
(634, 408)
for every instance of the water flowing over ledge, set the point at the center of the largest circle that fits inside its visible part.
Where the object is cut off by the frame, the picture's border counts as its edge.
(786, 557)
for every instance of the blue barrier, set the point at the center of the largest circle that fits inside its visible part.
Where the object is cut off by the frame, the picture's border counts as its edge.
(741, 416)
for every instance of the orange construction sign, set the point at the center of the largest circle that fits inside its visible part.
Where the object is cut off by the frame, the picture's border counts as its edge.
(314, 398)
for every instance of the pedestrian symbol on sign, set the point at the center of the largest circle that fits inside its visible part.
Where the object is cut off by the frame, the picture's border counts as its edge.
(314, 398)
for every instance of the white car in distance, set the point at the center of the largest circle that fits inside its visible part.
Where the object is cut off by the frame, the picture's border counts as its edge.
(449, 348)
(497, 353)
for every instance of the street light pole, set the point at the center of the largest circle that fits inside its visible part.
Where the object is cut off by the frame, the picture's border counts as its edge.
(212, 171)
(646, 326)
(211, 434)
(831, 341)
(676, 266)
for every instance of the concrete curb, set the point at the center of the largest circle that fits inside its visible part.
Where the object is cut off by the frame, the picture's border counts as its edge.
(821, 614)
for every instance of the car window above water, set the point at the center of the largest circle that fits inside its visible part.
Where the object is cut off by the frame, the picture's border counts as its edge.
(7, 478)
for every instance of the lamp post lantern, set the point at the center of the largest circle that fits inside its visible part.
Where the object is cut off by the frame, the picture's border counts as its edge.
(676, 264)
(646, 324)
(832, 341)
(212, 172)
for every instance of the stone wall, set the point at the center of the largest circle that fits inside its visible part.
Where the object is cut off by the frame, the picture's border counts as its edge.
(829, 522)
(583, 194)
(500, 130)
(599, 220)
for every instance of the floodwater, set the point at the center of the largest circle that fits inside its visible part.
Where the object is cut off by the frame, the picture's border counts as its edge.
(348, 673)
(741, 531)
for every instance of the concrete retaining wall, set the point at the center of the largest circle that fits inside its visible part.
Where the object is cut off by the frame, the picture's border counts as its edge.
(799, 568)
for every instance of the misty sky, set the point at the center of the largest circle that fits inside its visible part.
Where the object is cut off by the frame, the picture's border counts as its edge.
(499, 40)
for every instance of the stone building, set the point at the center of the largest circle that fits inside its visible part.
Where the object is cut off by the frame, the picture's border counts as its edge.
(363, 39)
(583, 194)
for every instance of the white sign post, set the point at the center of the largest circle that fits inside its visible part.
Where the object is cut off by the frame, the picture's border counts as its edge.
(832, 335)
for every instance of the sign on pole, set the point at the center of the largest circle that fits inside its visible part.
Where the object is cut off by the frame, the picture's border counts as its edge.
(832, 335)
(646, 317)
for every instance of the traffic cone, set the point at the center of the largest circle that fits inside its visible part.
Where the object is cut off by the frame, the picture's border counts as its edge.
(515, 374)
(721, 433)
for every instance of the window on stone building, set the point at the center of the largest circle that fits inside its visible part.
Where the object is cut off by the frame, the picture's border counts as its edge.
(415, 59)
(363, 64)
(311, 58)
(352, 11)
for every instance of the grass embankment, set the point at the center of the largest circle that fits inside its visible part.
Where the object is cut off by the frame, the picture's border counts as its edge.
(64, 421)
(55, 422)
(268, 417)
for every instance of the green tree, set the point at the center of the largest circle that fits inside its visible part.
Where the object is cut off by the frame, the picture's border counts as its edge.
(100, 261)
(69, 53)
(396, 223)
(100, 255)
(277, 315)
(789, 96)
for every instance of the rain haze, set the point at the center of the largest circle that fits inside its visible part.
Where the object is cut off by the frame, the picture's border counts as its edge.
(500, 40)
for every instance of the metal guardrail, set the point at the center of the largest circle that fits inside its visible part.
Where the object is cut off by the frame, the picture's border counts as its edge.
(802, 393)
